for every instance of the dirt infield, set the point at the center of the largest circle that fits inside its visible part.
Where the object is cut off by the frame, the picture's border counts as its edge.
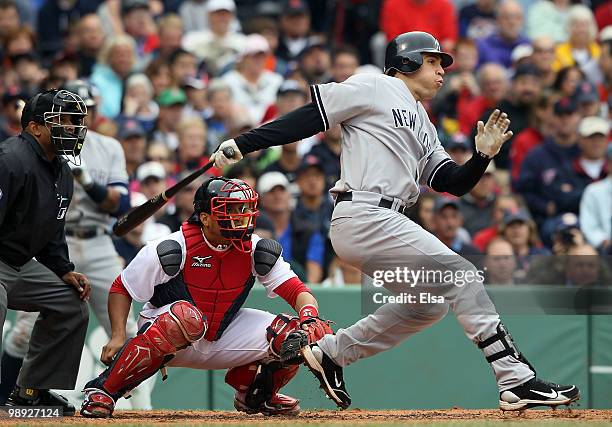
(454, 416)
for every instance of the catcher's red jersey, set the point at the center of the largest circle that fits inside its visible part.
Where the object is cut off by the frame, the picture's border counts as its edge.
(217, 280)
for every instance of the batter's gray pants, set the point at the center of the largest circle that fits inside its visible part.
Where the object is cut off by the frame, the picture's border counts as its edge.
(373, 239)
(52, 359)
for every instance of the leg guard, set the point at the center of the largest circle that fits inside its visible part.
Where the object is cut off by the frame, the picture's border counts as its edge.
(509, 347)
(257, 387)
(142, 356)
(509, 365)
(257, 384)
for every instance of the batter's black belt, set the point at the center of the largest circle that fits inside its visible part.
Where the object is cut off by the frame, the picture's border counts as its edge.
(85, 232)
(385, 202)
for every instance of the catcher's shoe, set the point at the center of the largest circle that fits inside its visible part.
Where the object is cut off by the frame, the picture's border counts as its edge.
(278, 404)
(97, 404)
(536, 392)
(328, 373)
(31, 397)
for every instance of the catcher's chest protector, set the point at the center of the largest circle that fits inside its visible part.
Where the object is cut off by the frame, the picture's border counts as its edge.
(219, 282)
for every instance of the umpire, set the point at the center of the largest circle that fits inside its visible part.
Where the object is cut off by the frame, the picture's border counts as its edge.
(36, 187)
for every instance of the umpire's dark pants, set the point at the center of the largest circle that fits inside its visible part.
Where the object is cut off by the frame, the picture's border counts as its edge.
(58, 336)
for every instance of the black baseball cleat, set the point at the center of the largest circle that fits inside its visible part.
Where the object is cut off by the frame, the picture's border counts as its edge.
(32, 397)
(536, 392)
(328, 373)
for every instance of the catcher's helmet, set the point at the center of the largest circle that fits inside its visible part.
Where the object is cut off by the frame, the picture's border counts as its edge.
(404, 53)
(233, 204)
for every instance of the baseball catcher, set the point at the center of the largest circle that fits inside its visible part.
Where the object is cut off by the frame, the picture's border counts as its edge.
(194, 283)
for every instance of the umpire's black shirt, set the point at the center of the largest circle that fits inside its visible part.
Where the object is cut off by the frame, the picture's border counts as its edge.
(34, 196)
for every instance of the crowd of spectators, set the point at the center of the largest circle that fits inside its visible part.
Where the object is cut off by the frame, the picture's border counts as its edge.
(175, 78)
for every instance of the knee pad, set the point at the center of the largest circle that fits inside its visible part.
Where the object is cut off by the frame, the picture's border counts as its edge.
(142, 356)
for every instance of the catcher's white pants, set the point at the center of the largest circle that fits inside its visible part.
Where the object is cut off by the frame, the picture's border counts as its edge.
(374, 239)
(243, 341)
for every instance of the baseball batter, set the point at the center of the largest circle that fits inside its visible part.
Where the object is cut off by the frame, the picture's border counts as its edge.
(101, 191)
(389, 147)
(194, 283)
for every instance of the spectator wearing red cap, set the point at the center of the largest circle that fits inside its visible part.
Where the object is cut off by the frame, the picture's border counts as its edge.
(587, 99)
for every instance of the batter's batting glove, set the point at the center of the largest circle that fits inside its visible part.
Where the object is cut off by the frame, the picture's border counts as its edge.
(220, 160)
(81, 174)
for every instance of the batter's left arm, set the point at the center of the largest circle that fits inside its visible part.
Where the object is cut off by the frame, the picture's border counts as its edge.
(451, 178)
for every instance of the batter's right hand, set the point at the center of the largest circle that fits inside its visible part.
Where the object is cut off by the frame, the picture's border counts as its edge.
(219, 157)
(111, 348)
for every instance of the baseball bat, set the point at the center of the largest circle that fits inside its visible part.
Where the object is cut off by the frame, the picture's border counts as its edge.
(139, 214)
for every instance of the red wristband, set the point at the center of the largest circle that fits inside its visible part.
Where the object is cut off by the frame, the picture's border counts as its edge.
(308, 311)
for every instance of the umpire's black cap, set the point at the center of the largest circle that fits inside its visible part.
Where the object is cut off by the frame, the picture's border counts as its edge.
(36, 107)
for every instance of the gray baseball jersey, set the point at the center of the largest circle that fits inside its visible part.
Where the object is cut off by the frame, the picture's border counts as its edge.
(103, 156)
(389, 145)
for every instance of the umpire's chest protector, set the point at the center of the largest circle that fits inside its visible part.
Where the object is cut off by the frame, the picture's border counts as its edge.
(219, 282)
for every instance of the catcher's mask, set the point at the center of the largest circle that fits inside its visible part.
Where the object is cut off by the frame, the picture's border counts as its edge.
(63, 113)
(232, 203)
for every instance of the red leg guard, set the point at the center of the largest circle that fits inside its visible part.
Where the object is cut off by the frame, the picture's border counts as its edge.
(257, 387)
(147, 352)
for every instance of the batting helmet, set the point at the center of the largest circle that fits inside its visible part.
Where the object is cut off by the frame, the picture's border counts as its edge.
(233, 204)
(404, 53)
(84, 89)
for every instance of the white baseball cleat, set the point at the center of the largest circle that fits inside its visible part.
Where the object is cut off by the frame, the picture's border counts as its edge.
(536, 392)
(328, 373)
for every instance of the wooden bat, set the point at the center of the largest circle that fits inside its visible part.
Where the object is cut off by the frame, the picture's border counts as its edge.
(139, 214)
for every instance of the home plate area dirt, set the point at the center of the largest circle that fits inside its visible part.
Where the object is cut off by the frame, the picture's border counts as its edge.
(455, 416)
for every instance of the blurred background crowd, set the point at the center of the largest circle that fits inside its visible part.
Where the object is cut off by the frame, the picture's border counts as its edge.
(175, 78)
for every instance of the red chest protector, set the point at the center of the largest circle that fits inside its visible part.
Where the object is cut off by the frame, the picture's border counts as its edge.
(219, 282)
